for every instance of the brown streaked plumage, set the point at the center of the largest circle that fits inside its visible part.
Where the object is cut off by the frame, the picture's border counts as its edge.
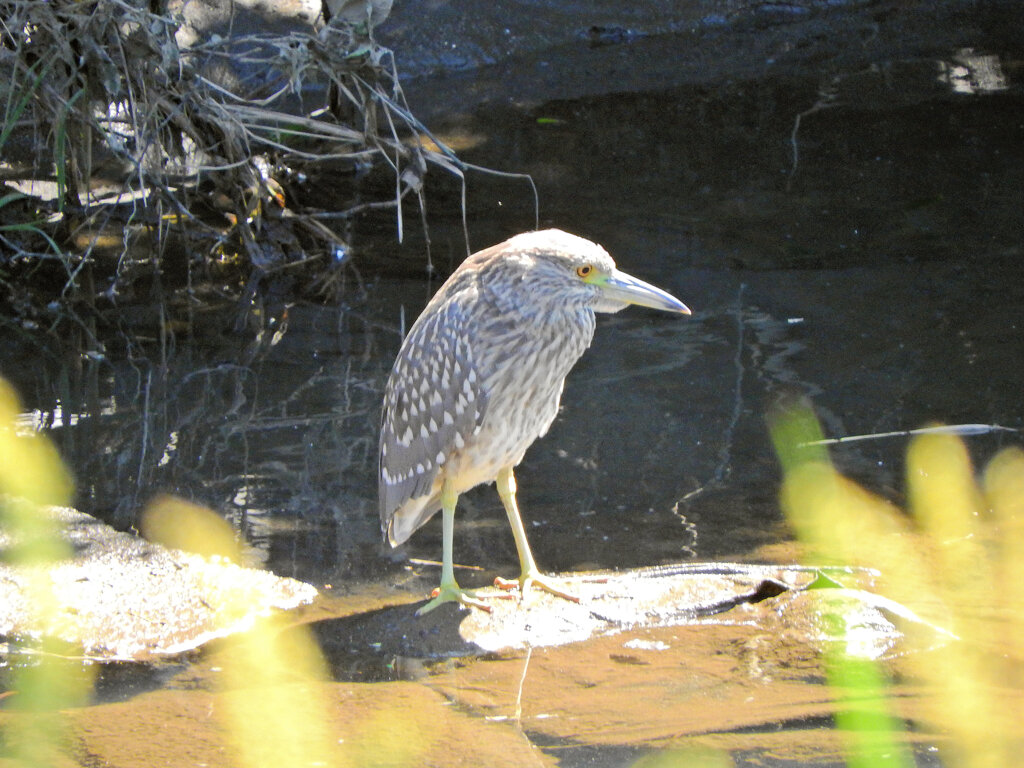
(479, 377)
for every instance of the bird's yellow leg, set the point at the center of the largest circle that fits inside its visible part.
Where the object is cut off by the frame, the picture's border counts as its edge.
(450, 591)
(530, 575)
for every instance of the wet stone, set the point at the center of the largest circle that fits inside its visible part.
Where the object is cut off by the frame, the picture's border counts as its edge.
(790, 598)
(121, 597)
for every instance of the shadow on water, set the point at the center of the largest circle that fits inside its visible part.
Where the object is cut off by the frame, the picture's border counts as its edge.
(854, 236)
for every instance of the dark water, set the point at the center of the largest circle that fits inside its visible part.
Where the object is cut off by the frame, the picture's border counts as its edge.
(871, 260)
(878, 271)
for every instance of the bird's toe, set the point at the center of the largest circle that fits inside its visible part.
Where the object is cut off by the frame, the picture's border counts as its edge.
(527, 580)
(452, 593)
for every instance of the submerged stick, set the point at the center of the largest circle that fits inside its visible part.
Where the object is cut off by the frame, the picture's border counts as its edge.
(962, 430)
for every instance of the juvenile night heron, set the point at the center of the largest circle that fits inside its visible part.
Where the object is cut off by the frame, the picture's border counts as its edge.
(479, 377)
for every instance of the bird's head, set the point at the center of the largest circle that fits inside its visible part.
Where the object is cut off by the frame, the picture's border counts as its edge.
(581, 270)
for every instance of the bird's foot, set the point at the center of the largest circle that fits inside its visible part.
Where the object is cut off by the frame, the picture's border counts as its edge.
(453, 593)
(534, 579)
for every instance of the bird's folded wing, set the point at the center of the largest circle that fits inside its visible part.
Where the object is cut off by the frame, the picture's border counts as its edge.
(433, 404)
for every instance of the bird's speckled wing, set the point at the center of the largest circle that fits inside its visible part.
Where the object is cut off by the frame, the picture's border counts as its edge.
(433, 403)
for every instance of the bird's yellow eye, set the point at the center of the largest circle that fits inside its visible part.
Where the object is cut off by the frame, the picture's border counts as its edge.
(585, 270)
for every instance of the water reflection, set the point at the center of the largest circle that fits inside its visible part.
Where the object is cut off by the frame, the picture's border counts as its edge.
(881, 275)
(883, 279)
(970, 72)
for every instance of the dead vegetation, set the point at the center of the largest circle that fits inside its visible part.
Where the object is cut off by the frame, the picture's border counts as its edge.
(134, 167)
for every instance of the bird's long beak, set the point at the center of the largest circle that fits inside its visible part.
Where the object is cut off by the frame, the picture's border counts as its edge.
(620, 287)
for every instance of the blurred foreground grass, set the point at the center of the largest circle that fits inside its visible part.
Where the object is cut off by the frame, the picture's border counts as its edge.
(956, 560)
(275, 704)
(32, 477)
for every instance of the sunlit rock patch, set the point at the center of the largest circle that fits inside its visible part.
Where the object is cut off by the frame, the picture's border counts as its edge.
(812, 606)
(122, 597)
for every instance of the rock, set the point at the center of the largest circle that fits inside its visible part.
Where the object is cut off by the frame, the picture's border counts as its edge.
(610, 602)
(123, 598)
(203, 19)
(812, 606)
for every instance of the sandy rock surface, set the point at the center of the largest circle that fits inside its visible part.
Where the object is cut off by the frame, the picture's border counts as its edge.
(122, 597)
